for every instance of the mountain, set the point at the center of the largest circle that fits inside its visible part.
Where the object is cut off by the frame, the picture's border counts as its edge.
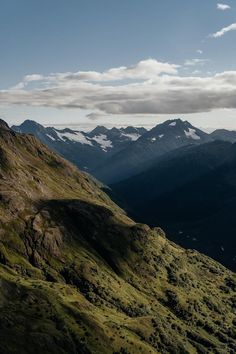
(79, 276)
(139, 155)
(86, 150)
(225, 135)
(191, 193)
(118, 139)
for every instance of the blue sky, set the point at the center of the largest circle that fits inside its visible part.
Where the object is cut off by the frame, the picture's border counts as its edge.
(52, 38)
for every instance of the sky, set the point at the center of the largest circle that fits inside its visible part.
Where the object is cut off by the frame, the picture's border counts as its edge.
(118, 62)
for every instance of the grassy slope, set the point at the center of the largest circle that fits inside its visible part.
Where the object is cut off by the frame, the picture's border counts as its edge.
(78, 276)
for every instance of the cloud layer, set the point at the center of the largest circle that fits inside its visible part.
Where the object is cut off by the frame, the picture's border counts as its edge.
(149, 87)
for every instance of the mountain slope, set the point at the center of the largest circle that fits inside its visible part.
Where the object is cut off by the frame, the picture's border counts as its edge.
(78, 276)
(86, 150)
(138, 156)
(225, 135)
(191, 193)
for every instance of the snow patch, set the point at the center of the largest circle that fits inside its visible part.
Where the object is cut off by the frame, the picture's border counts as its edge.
(161, 136)
(50, 137)
(191, 133)
(173, 124)
(132, 137)
(76, 137)
(102, 140)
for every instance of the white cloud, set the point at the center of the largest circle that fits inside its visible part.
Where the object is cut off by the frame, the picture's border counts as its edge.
(224, 30)
(33, 77)
(194, 62)
(147, 93)
(199, 51)
(145, 69)
(223, 7)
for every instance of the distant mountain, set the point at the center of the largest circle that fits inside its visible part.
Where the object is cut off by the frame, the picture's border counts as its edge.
(77, 276)
(112, 155)
(191, 193)
(86, 150)
(225, 135)
(138, 156)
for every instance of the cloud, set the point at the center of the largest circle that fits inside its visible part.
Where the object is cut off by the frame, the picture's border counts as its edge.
(94, 115)
(145, 69)
(33, 77)
(194, 62)
(199, 51)
(224, 30)
(223, 7)
(151, 91)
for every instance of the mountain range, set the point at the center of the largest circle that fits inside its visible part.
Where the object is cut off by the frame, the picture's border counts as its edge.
(79, 276)
(85, 150)
(112, 155)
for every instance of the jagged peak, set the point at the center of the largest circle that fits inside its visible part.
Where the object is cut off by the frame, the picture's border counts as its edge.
(29, 126)
(177, 121)
(100, 129)
(32, 123)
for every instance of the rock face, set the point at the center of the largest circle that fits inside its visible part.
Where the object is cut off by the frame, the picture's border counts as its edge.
(79, 276)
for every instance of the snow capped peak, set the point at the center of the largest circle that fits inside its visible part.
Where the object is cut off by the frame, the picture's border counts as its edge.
(174, 122)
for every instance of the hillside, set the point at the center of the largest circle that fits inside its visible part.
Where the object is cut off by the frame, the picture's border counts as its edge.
(79, 276)
(191, 193)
